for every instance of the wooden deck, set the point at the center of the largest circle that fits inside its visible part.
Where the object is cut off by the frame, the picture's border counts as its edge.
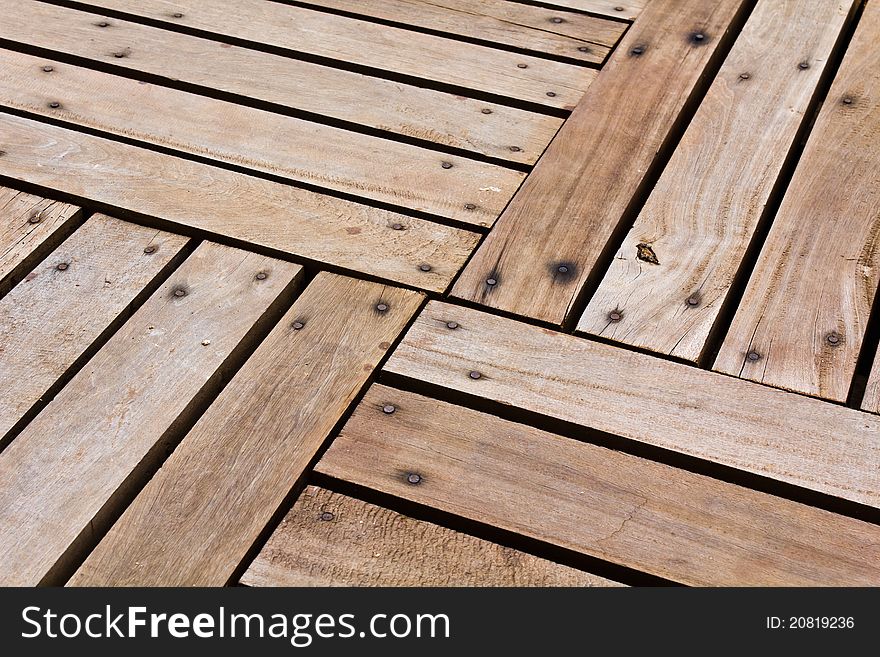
(460, 292)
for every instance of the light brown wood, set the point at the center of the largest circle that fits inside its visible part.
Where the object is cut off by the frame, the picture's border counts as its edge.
(195, 521)
(807, 302)
(424, 114)
(49, 319)
(29, 227)
(64, 477)
(379, 47)
(561, 33)
(701, 216)
(788, 437)
(571, 204)
(331, 158)
(871, 398)
(329, 539)
(289, 219)
(625, 9)
(614, 506)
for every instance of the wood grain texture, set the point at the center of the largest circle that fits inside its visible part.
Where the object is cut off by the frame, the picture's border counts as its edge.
(617, 507)
(29, 227)
(361, 165)
(51, 317)
(627, 9)
(642, 398)
(64, 477)
(565, 34)
(379, 47)
(807, 302)
(330, 539)
(871, 399)
(195, 521)
(269, 214)
(569, 207)
(701, 216)
(394, 107)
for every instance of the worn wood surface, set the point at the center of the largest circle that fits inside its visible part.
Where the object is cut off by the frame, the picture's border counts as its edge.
(642, 398)
(701, 216)
(807, 302)
(871, 398)
(379, 47)
(63, 479)
(257, 211)
(331, 158)
(425, 114)
(547, 241)
(197, 518)
(625, 9)
(330, 539)
(617, 507)
(52, 316)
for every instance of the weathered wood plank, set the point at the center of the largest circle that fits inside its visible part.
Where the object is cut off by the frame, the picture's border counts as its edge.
(332, 158)
(49, 319)
(63, 478)
(425, 114)
(379, 47)
(626, 9)
(257, 211)
(200, 514)
(637, 513)
(546, 242)
(642, 398)
(871, 399)
(671, 276)
(561, 33)
(803, 315)
(329, 539)
(29, 227)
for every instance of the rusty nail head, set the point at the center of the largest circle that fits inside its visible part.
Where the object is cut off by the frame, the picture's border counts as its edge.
(397, 226)
(381, 307)
(693, 301)
(326, 516)
(261, 276)
(452, 325)
(744, 76)
(425, 267)
(754, 355)
(54, 104)
(491, 281)
(584, 49)
(35, 219)
(486, 110)
(474, 374)
(62, 266)
(804, 65)
(180, 292)
(149, 249)
(414, 478)
(297, 326)
(388, 409)
(48, 69)
(615, 316)
(833, 338)
(446, 165)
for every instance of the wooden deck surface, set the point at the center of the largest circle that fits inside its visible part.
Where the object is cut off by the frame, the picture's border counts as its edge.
(449, 293)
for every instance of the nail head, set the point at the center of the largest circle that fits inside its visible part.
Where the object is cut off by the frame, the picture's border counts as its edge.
(180, 292)
(754, 355)
(425, 267)
(452, 325)
(446, 165)
(149, 249)
(61, 266)
(397, 226)
(615, 316)
(486, 110)
(491, 281)
(326, 516)
(833, 338)
(296, 326)
(693, 301)
(583, 49)
(744, 76)
(48, 69)
(54, 104)
(474, 374)
(261, 276)
(522, 65)
(388, 409)
(804, 65)
(35, 219)
(381, 307)
(414, 478)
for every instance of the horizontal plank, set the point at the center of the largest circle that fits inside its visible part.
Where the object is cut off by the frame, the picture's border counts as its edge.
(264, 213)
(73, 468)
(52, 317)
(379, 47)
(617, 507)
(424, 114)
(802, 318)
(330, 539)
(642, 398)
(625, 9)
(362, 165)
(194, 523)
(674, 269)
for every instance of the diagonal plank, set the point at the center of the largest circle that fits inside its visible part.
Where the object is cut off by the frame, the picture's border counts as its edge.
(259, 212)
(625, 9)
(330, 539)
(672, 274)
(72, 469)
(642, 398)
(195, 521)
(362, 165)
(871, 399)
(801, 322)
(617, 507)
(52, 317)
(386, 105)
(546, 243)
(379, 47)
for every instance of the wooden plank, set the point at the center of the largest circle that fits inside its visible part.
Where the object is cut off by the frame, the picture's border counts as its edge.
(49, 319)
(565, 34)
(871, 399)
(329, 539)
(332, 158)
(63, 479)
(195, 521)
(637, 513)
(29, 227)
(673, 271)
(380, 47)
(548, 239)
(642, 398)
(424, 114)
(805, 307)
(259, 212)
(625, 9)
